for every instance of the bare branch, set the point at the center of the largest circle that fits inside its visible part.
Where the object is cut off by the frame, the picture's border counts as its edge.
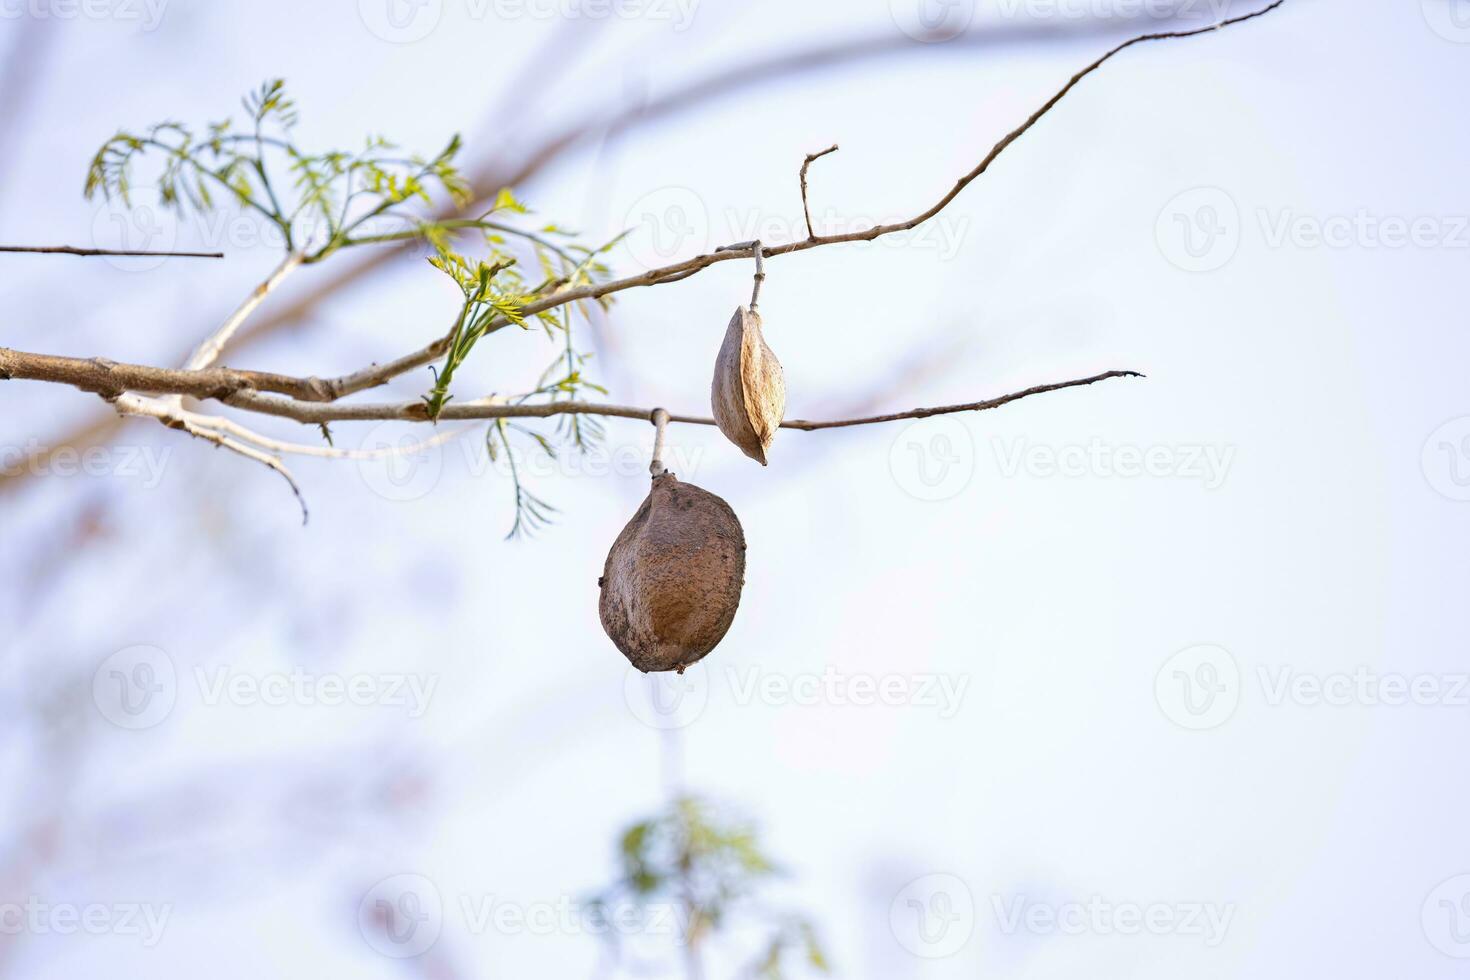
(496, 408)
(73, 250)
(105, 377)
(805, 209)
(981, 406)
(210, 350)
(285, 448)
(171, 417)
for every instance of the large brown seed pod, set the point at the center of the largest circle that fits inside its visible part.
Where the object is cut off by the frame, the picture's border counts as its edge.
(672, 580)
(749, 390)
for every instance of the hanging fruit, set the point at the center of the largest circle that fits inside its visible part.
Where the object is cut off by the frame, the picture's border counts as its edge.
(748, 394)
(672, 580)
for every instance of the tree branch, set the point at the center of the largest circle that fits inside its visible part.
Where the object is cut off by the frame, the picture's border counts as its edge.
(105, 377)
(497, 408)
(73, 250)
(169, 416)
(210, 350)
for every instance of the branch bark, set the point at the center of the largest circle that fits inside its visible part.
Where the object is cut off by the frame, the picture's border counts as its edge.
(73, 250)
(497, 408)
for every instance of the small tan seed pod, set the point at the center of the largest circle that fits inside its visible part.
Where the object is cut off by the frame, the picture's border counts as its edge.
(749, 390)
(672, 580)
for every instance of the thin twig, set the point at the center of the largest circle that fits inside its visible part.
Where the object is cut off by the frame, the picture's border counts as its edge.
(810, 234)
(73, 250)
(496, 408)
(209, 351)
(286, 448)
(152, 408)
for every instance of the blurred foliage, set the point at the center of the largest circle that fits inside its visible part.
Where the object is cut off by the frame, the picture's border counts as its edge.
(711, 868)
(321, 203)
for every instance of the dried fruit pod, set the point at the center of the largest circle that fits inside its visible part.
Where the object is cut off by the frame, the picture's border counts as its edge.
(672, 580)
(749, 390)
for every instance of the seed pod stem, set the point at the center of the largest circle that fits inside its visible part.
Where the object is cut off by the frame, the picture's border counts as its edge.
(660, 419)
(760, 266)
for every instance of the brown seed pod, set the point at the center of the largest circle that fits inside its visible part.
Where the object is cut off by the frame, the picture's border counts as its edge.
(749, 390)
(672, 580)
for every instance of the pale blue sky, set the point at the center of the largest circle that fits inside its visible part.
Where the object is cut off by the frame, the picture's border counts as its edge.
(1300, 511)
